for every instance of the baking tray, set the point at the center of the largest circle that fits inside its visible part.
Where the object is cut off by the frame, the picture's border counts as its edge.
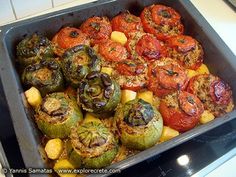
(218, 57)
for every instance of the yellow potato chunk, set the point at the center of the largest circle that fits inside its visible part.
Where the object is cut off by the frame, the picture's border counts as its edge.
(127, 95)
(118, 37)
(168, 133)
(33, 96)
(90, 118)
(54, 148)
(107, 70)
(66, 165)
(191, 73)
(206, 116)
(203, 69)
(146, 96)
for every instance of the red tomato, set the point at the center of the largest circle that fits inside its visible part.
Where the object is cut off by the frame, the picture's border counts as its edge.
(113, 51)
(220, 92)
(149, 48)
(126, 23)
(182, 43)
(97, 28)
(185, 115)
(150, 26)
(69, 37)
(166, 76)
(164, 15)
(132, 75)
(215, 94)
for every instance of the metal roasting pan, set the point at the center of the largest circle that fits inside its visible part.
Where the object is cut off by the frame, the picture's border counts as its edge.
(218, 57)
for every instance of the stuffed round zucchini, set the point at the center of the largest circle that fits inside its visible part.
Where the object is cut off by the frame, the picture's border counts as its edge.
(57, 114)
(92, 145)
(45, 76)
(33, 49)
(78, 62)
(99, 94)
(139, 124)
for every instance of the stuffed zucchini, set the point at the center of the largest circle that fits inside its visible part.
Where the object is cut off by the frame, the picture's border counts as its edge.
(92, 145)
(139, 124)
(78, 62)
(32, 49)
(99, 94)
(45, 76)
(57, 114)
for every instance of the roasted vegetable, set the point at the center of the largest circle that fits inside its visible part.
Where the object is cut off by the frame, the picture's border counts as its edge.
(54, 148)
(203, 69)
(118, 37)
(93, 145)
(57, 114)
(181, 110)
(99, 94)
(33, 97)
(146, 96)
(78, 62)
(139, 124)
(63, 164)
(107, 70)
(127, 95)
(45, 76)
(32, 49)
(206, 117)
(168, 133)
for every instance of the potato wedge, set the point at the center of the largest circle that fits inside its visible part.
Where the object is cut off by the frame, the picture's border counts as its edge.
(146, 96)
(54, 148)
(127, 95)
(206, 117)
(168, 133)
(203, 69)
(33, 96)
(118, 37)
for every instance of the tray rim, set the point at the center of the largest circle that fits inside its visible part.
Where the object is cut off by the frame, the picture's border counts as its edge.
(6, 70)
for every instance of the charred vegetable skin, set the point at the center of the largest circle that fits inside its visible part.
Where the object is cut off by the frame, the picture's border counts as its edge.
(97, 28)
(57, 114)
(139, 124)
(45, 76)
(166, 76)
(69, 37)
(126, 22)
(215, 94)
(186, 50)
(162, 21)
(181, 110)
(92, 145)
(78, 62)
(99, 94)
(32, 49)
